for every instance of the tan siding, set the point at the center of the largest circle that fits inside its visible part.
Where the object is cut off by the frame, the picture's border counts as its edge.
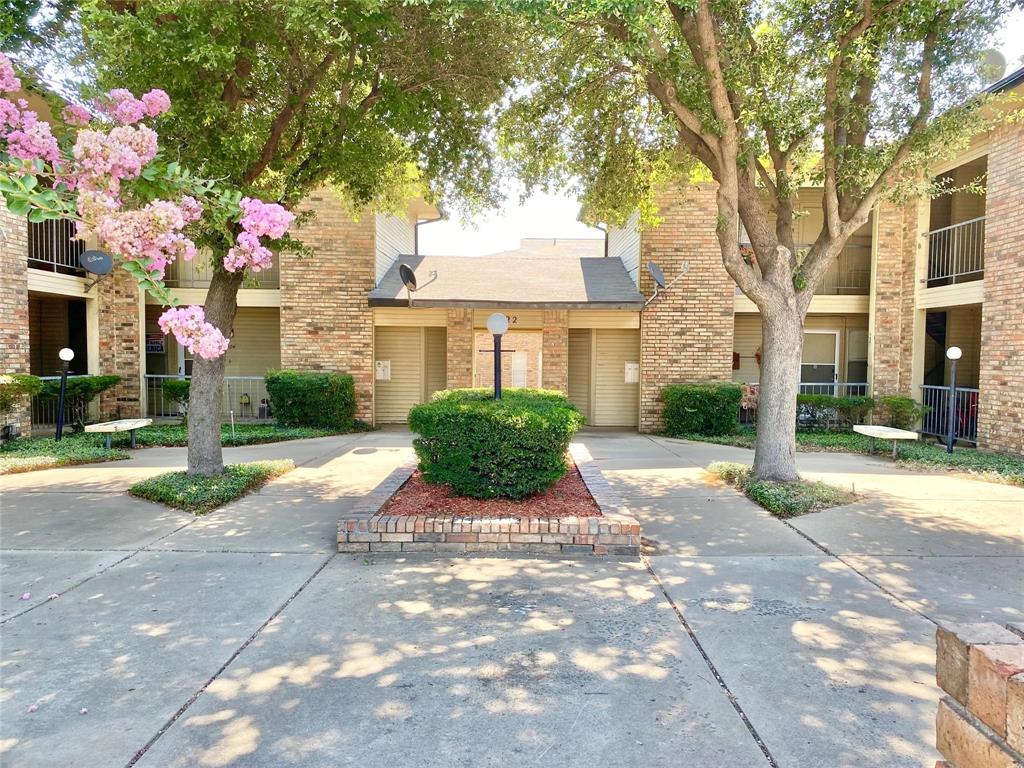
(435, 358)
(532, 319)
(48, 333)
(418, 316)
(579, 369)
(404, 348)
(964, 331)
(603, 318)
(616, 404)
(256, 343)
(394, 237)
(624, 244)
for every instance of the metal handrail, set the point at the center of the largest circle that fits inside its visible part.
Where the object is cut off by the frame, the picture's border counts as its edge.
(953, 226)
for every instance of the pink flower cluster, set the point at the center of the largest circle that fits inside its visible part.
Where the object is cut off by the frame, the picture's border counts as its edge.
(31, 138)
(189, 326)
(151, 234)
(258, 220)
(121, 105)
(9, 83)
(103, 159)
(74, 114)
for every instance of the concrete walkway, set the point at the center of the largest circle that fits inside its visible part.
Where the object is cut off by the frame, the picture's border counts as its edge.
(241, 639)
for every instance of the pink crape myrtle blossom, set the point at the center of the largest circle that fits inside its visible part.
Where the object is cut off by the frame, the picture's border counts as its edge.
(189, 326)
(151, 234)
(156, 102)
(74, 114)
(10, 115)
(9, 83)
(33, 140)
(102, 159)
(258, 220)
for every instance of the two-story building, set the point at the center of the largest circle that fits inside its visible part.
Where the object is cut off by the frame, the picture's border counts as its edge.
(914, 280)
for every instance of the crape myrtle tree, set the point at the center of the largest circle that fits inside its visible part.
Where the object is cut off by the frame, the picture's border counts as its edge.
(276, 97)
(765, 96)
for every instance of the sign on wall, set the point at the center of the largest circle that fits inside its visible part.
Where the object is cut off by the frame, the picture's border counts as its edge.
(382, 370)
(632, 373)
(155, 344)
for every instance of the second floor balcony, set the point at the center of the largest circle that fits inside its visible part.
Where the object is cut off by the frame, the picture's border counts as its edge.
(198, 272)
(53, 247)
(848, 275)
(956, 254)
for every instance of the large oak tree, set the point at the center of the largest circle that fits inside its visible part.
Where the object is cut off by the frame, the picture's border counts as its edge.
(766, 96)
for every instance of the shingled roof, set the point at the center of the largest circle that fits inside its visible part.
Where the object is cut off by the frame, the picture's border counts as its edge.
(522, 281)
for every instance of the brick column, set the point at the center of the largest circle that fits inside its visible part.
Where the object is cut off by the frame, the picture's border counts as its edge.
(460, 349)
(980, 722)
(1001, 414)
(326, 323)
(687, 332)
(893, 294)
(555, 346)
(119, 351)
(14, 336)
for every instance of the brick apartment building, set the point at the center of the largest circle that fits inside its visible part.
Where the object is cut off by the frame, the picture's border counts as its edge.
(913, 281)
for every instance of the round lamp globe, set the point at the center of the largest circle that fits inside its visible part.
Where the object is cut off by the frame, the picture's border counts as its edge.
(497, 324)
(954, 353)
(67, 355)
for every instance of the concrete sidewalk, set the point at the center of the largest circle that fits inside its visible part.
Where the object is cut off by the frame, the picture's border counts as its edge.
(241, 639)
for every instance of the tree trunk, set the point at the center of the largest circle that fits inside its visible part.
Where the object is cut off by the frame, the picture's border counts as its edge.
(782, 334)
(206, 390)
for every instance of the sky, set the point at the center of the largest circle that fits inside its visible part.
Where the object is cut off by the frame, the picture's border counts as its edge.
(554, 215)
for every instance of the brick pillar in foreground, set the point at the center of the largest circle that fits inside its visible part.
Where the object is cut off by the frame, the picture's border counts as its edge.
(687, 332)
(1001, 374)
(326, 323)
(980, 722)
(14, 334)
(460, 349)
(118, 297)
(555, 363)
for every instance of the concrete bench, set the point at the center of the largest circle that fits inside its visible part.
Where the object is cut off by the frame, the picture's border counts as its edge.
(885, 433)
(121, 425)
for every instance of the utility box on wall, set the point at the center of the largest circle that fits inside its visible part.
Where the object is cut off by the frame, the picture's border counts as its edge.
(382, 370)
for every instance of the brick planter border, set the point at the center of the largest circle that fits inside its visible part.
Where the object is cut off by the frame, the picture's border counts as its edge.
(615, 532)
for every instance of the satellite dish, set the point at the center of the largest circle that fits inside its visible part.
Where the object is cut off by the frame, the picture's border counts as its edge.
(96, 262)
(656, 273)
(992, 67)
(408, 276)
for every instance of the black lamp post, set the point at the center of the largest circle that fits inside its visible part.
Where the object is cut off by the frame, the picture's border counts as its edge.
(954, 354)
(66, 355)
(497, 324)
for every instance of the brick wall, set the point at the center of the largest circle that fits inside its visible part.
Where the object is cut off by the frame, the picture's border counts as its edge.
(892, 336)
(687, 332)
(460, 348)
(980, 721)
(513, 343)
(555, 371)
(326, 324)
(118, 304)
(14, 336)
(1001, 414)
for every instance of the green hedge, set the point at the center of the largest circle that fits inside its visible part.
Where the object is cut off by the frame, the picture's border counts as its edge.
(14, 386)
(701, 409)
(299, 399)
(829, 411)
(486, 448)
(899, 412)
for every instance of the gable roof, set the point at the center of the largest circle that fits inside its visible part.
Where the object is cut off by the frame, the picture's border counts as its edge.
(521, 281)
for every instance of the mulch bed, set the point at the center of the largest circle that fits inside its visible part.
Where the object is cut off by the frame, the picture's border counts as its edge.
(568, 497)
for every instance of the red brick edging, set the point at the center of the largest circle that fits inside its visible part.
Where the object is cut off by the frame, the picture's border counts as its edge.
(615, 532)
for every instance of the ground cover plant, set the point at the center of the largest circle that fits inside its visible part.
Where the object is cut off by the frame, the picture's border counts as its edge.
(200, 494)
(27, 455)
(486, 448)
(923, 454)
(782, 499)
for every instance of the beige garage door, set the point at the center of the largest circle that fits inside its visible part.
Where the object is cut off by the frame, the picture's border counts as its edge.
(616, 402)
(580, 340)
(398, 372)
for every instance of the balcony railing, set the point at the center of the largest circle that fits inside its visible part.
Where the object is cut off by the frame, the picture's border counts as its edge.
(44, 407)
(244, 397)
(198, 273)
(748, 407)
(849, 275)
(956, 254)
(965, 413)
(53, 246)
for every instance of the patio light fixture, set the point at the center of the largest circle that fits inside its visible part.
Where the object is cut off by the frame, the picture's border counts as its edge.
(954, 354)
(66, 355)
(497, 324)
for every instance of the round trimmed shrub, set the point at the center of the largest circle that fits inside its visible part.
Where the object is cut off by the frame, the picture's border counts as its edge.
(299, 399)
(701, 409)
(486, 448)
